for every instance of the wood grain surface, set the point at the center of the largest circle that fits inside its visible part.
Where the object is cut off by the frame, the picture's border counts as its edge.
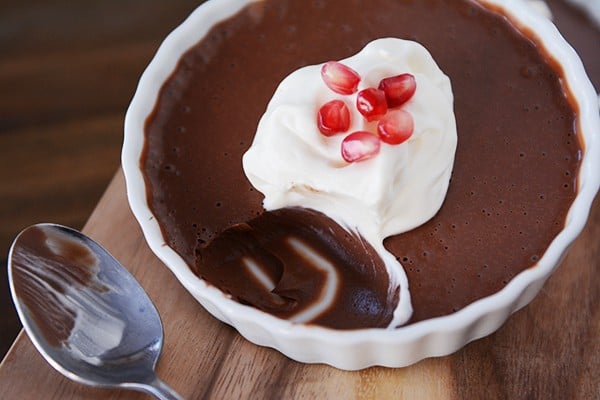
(548, 350)
(67, 71)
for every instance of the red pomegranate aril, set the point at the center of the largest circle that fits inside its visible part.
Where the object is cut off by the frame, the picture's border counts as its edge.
(360, 146)
(340, 78)
(371, 103)
(333, 117)
(398, 89)
(395, 127)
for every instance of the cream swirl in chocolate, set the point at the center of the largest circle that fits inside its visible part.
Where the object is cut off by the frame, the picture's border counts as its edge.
(298, 264)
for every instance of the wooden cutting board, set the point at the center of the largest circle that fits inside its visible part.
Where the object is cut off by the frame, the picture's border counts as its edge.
(549, 350)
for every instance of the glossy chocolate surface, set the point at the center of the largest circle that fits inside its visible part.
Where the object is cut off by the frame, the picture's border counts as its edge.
(517, 158)
(296, 263)
(46, 265)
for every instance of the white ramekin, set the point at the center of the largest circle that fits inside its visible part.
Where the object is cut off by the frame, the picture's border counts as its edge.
(363, 348)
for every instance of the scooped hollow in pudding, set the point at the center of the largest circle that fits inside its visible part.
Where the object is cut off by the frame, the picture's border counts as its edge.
(298, 264)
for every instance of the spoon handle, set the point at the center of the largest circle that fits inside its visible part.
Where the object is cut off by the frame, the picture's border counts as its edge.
(161, 390)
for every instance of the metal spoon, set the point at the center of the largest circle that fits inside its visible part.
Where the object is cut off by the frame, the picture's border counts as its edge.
(84, 312)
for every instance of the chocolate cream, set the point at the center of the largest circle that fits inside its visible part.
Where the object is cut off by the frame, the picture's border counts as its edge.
(46, 264)
(514, 174)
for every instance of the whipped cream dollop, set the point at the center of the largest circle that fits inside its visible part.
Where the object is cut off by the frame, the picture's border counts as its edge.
(293, 164)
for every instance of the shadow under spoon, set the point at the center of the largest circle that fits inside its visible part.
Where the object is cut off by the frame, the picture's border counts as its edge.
(85, 313)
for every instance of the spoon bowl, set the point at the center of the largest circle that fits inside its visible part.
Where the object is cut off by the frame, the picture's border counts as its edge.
(85, 313)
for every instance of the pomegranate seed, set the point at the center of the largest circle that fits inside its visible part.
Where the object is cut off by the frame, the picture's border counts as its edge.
(371, 103)
(359, 146)
(398, 89)
(395, 127)
(333, 117)
(340, 78)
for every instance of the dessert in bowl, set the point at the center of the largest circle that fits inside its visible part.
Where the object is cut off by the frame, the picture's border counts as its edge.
(524, 173)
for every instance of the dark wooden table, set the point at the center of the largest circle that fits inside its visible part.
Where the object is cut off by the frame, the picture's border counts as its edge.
(67, 72)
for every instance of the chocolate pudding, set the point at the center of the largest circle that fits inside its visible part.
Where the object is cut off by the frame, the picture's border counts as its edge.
(514, 174)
